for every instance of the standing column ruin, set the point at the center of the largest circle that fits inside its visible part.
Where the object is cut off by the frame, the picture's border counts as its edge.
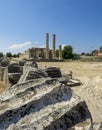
(4, 74)
(47, 45)
(60, 52)
(54, 47)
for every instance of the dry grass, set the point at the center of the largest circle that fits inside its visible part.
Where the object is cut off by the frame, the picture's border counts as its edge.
(2, 86)
(81, 70)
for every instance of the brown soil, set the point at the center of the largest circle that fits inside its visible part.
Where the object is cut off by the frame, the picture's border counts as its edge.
(81, 70)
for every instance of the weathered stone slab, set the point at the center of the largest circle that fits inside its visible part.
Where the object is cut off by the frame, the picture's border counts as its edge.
(14, 77)
(53, 72)
(4, 62)
(14, 68)
(40, 101)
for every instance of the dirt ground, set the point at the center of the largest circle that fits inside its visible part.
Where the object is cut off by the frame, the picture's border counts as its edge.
(84, 71)
(81, 70)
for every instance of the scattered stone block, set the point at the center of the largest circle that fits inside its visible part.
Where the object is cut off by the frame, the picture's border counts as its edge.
(53, 72)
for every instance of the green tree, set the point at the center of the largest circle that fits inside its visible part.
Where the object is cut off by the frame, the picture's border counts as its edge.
(76, 56)
(16, 55)
(8, 54)
(1, 54)
(83, 54)
(67, 52)
(57, 53)
(94, 52)
(101, 49)
(88, 54)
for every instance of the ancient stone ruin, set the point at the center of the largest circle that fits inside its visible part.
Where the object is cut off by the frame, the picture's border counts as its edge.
(44, 54)
(41, 99)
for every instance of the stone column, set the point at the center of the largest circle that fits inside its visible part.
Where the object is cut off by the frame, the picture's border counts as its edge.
(54, 47)
(1, 74)
(5, 77)
(47, 45)
(60, 52)
(4, 74)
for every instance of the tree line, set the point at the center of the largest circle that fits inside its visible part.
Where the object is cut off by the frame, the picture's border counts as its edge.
(67, 53)
(9, 54)
(92, 52)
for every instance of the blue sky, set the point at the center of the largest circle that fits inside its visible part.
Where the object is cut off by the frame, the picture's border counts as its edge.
(24, 23)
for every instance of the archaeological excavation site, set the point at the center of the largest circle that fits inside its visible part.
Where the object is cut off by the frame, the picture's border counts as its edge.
(41, 98)
(38, 97)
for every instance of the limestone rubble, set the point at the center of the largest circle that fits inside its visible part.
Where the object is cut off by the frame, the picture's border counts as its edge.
(41, 103)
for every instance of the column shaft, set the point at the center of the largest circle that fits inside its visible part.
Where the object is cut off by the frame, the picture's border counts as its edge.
(54, 46)
(47, 45)
(60, 52)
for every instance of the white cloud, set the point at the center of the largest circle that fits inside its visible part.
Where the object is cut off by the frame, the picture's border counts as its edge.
(63, 45)
(20, 46)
